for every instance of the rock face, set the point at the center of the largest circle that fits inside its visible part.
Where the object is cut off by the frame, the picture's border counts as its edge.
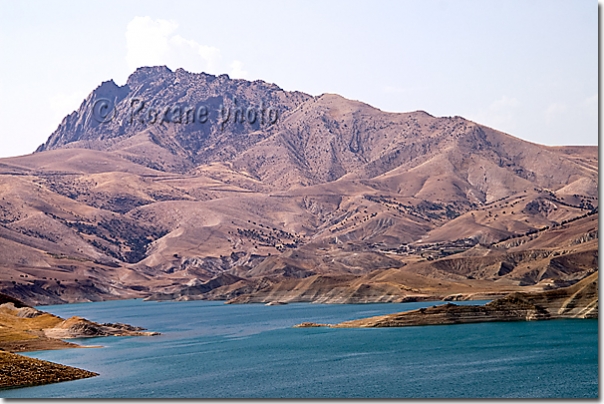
(314, 140)
(159, 109)
(577, 301)
(151, 190)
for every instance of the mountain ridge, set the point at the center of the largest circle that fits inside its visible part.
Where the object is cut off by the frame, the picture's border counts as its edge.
(332, 195)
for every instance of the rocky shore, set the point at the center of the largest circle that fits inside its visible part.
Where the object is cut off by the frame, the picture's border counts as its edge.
(24, 328)
(576, 301)
(21, 371)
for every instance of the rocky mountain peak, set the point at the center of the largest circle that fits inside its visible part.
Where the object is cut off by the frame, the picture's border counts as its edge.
(178, 111)
(145, 74)
(176, 121)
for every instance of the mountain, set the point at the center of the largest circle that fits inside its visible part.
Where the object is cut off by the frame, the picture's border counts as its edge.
(191, 186)
(171, 121)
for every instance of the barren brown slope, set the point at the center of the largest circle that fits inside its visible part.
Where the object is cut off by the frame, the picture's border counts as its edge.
(332, 188)
(411, 154)
(550, 259)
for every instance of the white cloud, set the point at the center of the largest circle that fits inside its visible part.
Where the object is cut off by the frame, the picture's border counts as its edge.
(237, 71)
(590, 105)
(504, 104)
(186, 53)
(501, 114)
(394, 90)
(557, 112)
(152, 42)
(147, 41)
(553, 111)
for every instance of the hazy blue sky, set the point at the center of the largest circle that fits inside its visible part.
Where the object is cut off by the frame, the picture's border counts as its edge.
(529, 68)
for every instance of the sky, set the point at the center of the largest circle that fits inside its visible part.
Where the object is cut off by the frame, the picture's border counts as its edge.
(528, 68)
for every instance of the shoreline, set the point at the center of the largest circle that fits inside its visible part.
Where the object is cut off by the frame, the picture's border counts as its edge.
(19, 371)
(27, 329)
(579, 301)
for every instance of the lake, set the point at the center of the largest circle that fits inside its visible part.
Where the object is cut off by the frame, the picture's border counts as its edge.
(209, 349)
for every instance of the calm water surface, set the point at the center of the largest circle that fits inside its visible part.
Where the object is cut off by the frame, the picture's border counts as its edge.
(209, 349)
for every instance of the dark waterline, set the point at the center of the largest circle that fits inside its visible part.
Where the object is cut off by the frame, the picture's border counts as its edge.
(209, 349)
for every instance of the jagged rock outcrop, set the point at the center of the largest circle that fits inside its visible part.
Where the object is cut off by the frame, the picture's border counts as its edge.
(177, 115)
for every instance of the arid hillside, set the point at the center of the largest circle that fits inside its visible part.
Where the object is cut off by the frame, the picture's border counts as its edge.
(192, 186)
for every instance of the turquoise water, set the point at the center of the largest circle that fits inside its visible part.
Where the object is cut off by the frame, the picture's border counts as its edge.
(209, 349)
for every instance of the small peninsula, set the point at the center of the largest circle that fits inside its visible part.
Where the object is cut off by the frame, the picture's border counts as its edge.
(24, 328)
(577, 301)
